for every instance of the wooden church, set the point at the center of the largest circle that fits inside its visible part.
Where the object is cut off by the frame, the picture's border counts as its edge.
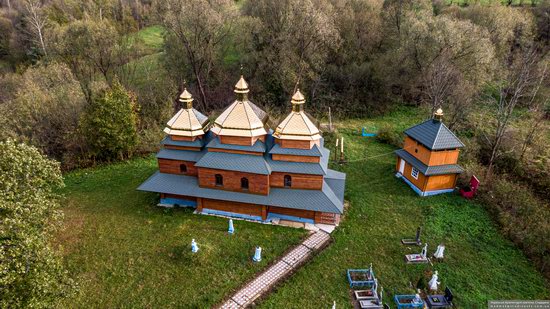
(238, 167)
(428, 160)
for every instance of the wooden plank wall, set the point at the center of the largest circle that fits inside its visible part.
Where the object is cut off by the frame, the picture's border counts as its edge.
(258, 184)
(235, 151)
(420, 183)
(173, 167)
(293, 158)
(299, 181)
(239, 140)
(285, 143)
(429, 157)
(441, 182)
(182, 148)
(183, 138)
(241, 208)
(308, 214)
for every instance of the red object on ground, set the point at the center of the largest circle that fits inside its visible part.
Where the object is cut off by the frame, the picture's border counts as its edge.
(470, 191)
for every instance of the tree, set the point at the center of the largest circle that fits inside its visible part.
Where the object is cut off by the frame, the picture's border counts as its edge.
(92, 46)
(520, 81)
(199, 30)
(110, 124)
(37, 20)
(432, 51)
(290, 42)
(31, 273)
(44, 109)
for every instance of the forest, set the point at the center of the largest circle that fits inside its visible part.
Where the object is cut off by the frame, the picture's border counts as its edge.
(87, 83)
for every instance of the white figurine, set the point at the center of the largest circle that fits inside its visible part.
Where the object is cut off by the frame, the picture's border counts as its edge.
(194, 246)
(434, 284)
(439, 252)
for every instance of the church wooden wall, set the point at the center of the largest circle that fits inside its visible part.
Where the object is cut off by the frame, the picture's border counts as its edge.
(441, 182)
(285, 143)
(258, 184)
(183, 138)
(182, 148)
(293, 158)
(241, 208)
(308, 214)
(173, 167)
(299, 181)
(420, 183)
(429, 157)
(239, 140)
(235, 151)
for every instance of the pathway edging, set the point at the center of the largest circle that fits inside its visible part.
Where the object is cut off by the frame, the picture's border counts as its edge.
(276, 273)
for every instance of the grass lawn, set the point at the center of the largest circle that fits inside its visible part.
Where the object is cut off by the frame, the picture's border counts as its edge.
(479, 263)
(152, 37)
(124, 252)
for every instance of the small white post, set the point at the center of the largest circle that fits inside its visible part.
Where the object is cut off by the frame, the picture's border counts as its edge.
(231, 229)
(194, 246)
(257, 254)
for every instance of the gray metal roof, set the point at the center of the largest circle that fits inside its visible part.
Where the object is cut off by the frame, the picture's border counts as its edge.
(169, 141)
(429, 170)
(300, 167)
(313, 152)
(434, 135)
(324, 200)
(185, 155)
(337, 182)
(234, 162)
(258, 146)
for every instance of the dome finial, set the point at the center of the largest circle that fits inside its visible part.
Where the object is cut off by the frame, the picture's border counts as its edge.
(241, 86)
(187, 98)
(438, 115)
(298, 101)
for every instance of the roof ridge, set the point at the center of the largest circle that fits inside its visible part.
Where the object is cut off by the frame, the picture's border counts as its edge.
(450, 131)
(437, 135)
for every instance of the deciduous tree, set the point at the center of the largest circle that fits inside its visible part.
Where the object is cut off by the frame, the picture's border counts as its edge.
(31, 273)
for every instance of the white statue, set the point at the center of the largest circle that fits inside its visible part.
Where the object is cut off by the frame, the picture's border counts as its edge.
(434, 284)
(194, 246)
(439, 252)
(424, 251)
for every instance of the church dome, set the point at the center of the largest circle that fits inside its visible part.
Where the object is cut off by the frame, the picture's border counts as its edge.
(297, 125)
(242, 118)
(187, 121)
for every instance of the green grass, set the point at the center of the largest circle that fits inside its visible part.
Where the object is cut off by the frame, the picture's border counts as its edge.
(479, 263)
(152, 37)
(124, 252)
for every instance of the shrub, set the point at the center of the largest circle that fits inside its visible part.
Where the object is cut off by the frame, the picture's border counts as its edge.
(389, 135)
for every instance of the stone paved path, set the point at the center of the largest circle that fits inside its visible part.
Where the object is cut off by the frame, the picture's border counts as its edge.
(276, 272)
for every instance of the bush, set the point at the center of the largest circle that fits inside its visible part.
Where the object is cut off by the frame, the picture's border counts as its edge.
(389, 135)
